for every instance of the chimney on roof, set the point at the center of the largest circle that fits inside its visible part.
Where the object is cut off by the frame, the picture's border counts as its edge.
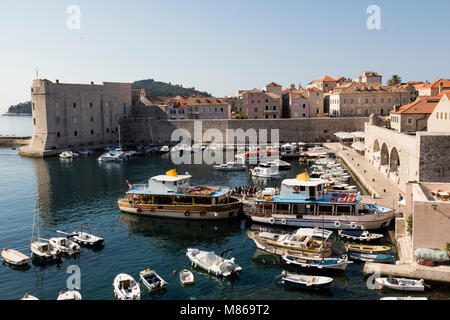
(440, 87)
(292, 86)
(57, 81)
(92, 82)
(396, 108)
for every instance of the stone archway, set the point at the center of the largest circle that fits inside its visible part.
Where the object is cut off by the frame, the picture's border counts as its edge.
(384, 155)
(394, 161)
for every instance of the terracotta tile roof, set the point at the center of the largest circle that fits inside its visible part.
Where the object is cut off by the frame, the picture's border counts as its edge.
(300, 93)
(315, 89)
(272, 95)
(323, 79)
(273, 84)
(446, 92)
(204, 101)
(436, 84)
(423, 104)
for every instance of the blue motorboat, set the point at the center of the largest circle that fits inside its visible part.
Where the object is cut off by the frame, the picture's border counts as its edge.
(371, 257)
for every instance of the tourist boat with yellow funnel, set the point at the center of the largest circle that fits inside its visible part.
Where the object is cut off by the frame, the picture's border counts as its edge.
(306, 202)
(173, 196)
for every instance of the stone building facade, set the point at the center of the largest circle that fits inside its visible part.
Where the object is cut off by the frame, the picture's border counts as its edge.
(369, 76)
(414, 116)
(76, 115)
(306, 103)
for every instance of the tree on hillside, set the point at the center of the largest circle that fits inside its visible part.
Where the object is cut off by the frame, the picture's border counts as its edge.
(394, 80)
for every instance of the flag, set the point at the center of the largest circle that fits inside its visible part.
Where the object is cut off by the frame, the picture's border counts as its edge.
(129, 184)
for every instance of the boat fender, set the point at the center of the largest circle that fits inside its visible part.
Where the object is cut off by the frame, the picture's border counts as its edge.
(139, 210)
(283, 221)
(337, 224)
(296, 188)
(179, 190)
(271, 220)
(353, 225)
(203, 213)
(187, 213)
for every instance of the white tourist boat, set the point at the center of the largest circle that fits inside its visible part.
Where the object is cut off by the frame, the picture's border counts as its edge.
(126, 288)
(304, 241)
(14, 257)
(89, 240)
(265, 172)
(306, 202)
(186, 277)
(277, 163)
(360, 235)
(151, 280)
(401, 284)
(213, 263)
(28, 297)
(173, 196)
(64, 245)
(304, 281)
(69, 295)
(230, 166)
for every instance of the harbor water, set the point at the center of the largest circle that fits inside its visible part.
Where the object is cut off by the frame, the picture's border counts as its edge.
(83, 191)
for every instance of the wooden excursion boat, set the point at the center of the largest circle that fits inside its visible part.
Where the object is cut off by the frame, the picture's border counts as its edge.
(304, 241)
(363, 248)
(172, 196)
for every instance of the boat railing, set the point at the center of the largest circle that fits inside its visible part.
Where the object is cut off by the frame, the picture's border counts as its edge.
(138, 186)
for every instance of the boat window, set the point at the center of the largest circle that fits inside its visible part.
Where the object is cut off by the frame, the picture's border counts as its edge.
(310, 209)
(299, 208)
(302, 188)
(181, 199)
(282, 207)
(343, 209)
(202, 200)
(325, 209)
(163, 200)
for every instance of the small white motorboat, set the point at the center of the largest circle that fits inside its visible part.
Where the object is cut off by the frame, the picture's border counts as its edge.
(151, 280)
(401, 284)
(304, 281)
(14, 257)
(69, 295)
(44, 251)
(113, 155)
(126, 288)
(29, 297)
(65, 245)
(230, 166)
(361, 235)
(68, 155)
(213, 263)
(186, 277)
(87, 239)
(265, 172)
(280, 164)
(164, 149)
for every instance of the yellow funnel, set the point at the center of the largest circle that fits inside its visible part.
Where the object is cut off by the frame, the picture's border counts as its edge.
(303, 177)
(172, 173)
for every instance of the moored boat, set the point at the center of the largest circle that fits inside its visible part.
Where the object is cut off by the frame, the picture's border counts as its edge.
(306, 202)
(401, 284)
(14, 257)
(186, 277)
(172, 196)
(28, 297)
(360, 235)
(230, 166)
(69, 295)
(371, 257)
(265, 172)
(324, 263)
(86, 239)
(305, 281)
(126, 288)
(209, 261)
(364, 248)
(44, 251)
(151, 280)
(404, 298)
(65, 246)
(304, 241)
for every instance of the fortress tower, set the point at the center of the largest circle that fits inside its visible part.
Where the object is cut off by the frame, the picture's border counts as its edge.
(75, 116)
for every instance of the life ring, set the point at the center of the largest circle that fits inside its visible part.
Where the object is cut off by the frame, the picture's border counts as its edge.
(296, 188)
(271, 220)
(187, 213)
(179, 190)
(337, 224)
(283, 221)
(203, 213)
(353, 225)
(139, 210)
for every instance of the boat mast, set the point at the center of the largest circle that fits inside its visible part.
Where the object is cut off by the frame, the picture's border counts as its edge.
(119, 135)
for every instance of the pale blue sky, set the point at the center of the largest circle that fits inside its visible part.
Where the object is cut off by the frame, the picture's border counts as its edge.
(218, 46)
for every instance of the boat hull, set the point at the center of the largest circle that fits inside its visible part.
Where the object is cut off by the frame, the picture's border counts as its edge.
(294, 284)
(184, 212)
(348, 222)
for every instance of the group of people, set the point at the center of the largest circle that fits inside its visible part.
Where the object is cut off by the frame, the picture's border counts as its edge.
(246, 191)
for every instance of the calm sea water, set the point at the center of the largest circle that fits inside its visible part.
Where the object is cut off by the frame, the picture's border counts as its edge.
(83, 191)
(18, 126)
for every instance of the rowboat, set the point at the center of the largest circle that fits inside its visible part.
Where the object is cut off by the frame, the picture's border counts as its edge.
(15, 257)
(366, 248)
(126, 288)
(361, 235)
(304, 282)
(401, 284)
(69, 295)
(371, 257)
(186, 277)
(325, 263)
(151, 280)
(213, 263)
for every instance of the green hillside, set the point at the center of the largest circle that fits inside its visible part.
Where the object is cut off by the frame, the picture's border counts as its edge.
(163, 89)
(24, 107)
